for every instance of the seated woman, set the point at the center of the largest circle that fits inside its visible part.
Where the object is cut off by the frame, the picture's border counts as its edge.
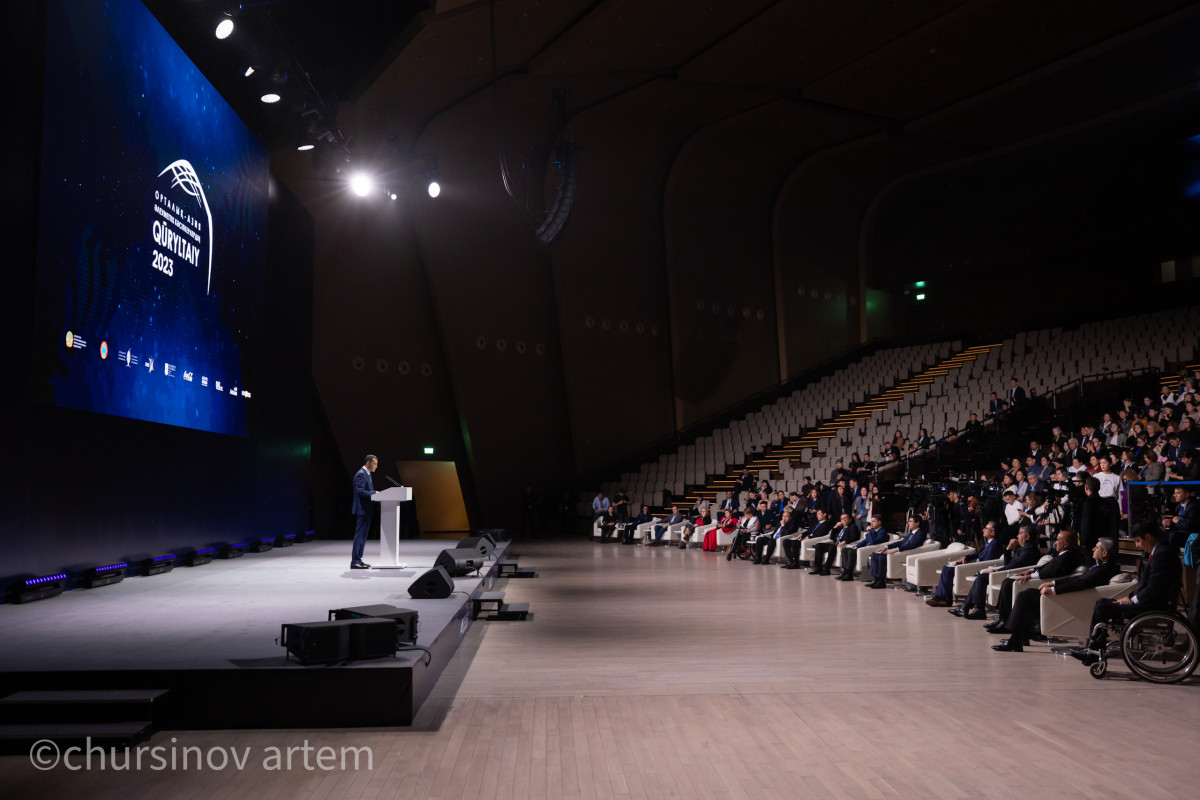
(862, 507)
(923, 440)
(728, 525)
(747, 529)
(698, 519)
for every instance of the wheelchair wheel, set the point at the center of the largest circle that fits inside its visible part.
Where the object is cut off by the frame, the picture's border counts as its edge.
(1160, 647)
(1099, 669)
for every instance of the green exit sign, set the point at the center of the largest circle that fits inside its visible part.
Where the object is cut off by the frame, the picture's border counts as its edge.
(428, 451)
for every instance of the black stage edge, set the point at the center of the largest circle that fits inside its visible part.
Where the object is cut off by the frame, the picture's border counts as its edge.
(371, 693)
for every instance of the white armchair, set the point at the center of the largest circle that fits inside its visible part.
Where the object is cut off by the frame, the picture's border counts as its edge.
(808, 547)
(864, 555)
(1069, 615)
(997, 578)
(896, 561)
(964, 574)
(925, 569)
(645, 530)
(596, 529)
(701, 531)
(674, 532)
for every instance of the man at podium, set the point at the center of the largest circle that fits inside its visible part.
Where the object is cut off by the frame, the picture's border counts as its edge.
(363, 509)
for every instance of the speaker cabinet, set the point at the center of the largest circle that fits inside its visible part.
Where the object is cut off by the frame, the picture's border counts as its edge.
(433, 585)
(484, 545)
(373, 637)
(405, 618)
(459, 562)
(317, 642)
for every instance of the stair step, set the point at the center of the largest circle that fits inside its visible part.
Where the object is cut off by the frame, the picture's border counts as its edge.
(17, 738)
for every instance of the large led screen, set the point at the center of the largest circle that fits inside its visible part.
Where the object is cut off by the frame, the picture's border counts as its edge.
(151, 228)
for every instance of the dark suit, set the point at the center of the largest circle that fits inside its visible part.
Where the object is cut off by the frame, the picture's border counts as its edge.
(1189, 522)
(363, 509)
(674, 519)
(1026, 556)
(871, 539)
(1027, 605)
(1094, 522)
(994, 407)
(1062, 565)
(1016, 397)
(879, 560)
(945, 587)
(1158, 588)
(791, 547)
(826, 552)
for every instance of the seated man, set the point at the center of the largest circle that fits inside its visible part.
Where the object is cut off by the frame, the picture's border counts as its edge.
(1157, 589)
(1021, 552)
(875, 536)
(1026, 608)
(943, 595)
(747, 528)
(791, 543)
(915, 538)
(1067, 558)
(768, 522)
(824, 552)
(659, 530)
(641, 519)
(764, 545)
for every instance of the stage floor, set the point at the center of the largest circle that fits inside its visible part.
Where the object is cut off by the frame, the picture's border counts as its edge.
(220, 615)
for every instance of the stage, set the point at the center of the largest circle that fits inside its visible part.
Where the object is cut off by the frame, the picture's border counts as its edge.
(209, 634)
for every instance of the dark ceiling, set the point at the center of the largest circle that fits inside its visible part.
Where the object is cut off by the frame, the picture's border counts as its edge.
(980, 73)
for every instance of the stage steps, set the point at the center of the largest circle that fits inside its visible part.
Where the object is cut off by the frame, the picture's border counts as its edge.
(100, 717)
(493, 606)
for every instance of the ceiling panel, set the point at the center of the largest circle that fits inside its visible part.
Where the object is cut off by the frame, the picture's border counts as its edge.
(796, 42)
(980, 46)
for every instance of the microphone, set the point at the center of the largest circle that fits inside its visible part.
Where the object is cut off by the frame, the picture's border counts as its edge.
(393, 480)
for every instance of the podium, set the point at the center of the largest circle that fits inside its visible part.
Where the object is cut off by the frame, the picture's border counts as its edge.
(389, 525)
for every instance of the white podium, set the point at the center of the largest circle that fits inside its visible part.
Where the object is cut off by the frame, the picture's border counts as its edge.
(389, 525)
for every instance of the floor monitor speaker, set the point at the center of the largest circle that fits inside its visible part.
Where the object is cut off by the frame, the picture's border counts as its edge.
(433, 585)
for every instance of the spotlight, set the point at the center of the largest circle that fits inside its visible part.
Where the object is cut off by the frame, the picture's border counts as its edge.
(157, 565)
(224, 28)
(249, 71)
(304, 147)
(38, 588)
(270, 97)
(196, 558)
(360, 184)
(104, 576)
(392, 195)
(434, 189)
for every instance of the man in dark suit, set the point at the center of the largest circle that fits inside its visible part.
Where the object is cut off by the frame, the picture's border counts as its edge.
(1021, 552)
(914, 539)
(943, 595)
(1186, 519)
(1016, 395)
(764, 544)
(1157, 589)
(1067, 558)
(1094, 521)
(825, 552)
(659, 530)
(1027, 605)
(994, 406)
(791, 544)
(874, 536)
(363, 509)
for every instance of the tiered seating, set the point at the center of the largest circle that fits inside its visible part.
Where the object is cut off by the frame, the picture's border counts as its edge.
(932, 386)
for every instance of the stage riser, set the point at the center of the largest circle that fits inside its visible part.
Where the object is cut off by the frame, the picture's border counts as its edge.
(371, 693)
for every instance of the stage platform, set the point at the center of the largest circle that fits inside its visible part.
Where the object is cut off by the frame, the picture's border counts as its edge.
(209, 635)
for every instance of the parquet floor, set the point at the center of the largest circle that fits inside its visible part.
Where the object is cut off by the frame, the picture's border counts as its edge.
(661, 673)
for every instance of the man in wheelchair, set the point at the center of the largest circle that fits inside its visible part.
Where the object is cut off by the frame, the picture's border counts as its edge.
(1158, 588)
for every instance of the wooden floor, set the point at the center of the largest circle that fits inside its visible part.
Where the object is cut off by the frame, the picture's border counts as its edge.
(662, 673)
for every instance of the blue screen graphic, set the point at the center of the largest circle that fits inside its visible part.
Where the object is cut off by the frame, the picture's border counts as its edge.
(151, 228)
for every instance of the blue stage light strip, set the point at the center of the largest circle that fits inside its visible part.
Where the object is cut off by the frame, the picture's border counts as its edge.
(167, 557)
(62, 576)
(206, 550)
(110, 568)
(289, 536)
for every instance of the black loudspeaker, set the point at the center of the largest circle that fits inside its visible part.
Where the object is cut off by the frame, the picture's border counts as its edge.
(405, 618)
(433, 585)
(317, 642)
(459, 562)
(373, 637)
(480, 544)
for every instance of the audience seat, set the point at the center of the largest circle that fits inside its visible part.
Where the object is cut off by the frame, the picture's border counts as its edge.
(925, 569)
(1068, 615)
(863, 565)
(997, 578)
(896, 561)
(964, 574)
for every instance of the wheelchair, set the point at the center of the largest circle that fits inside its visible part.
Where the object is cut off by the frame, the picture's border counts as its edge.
(1157, 646)
(743, 551)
